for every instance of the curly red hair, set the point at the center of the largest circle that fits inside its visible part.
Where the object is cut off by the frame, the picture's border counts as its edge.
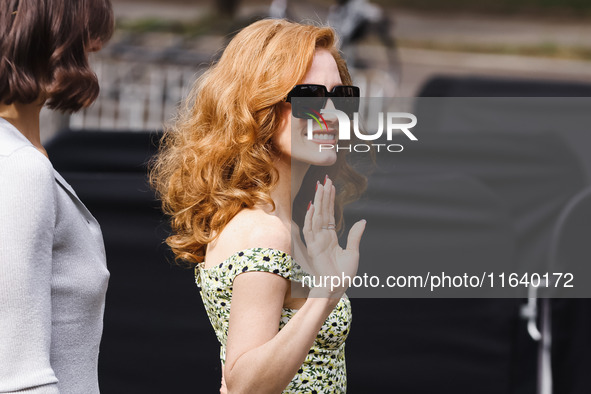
(217, 158)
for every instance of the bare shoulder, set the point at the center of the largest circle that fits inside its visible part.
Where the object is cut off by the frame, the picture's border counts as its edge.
(250, 228)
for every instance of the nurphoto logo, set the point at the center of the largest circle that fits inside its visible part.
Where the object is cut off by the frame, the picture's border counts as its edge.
(393, 126)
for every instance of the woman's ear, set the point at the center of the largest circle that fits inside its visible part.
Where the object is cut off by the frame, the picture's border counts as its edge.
(94, 45)
(284, 110)
(282, 133)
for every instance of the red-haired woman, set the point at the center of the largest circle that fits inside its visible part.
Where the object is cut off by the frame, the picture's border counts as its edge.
(228, 174)
(53, 275)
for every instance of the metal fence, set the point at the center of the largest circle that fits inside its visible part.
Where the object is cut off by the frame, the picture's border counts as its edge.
(141, 88)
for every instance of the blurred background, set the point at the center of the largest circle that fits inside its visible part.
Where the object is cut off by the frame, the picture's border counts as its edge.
(157, 338)
(394, 47)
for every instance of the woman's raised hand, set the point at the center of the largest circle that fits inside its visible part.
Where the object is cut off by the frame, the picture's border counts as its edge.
(326, 259)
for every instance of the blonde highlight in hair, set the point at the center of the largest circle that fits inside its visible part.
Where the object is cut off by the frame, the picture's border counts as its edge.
(217, 158)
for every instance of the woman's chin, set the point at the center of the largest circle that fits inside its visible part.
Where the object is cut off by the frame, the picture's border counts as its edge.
(322, 159)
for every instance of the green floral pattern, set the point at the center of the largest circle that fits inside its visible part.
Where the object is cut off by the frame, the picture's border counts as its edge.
(324, 370)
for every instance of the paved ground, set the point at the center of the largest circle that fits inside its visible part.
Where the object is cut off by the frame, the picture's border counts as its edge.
(469, 28)
(419, 65)
(459, 28)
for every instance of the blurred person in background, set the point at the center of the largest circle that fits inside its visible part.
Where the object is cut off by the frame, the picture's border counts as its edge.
(228, 173)
(53, 273)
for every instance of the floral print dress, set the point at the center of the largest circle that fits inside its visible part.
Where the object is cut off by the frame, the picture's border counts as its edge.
(324, 370)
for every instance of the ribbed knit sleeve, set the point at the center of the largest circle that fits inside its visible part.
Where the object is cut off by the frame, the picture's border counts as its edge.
(27, 221)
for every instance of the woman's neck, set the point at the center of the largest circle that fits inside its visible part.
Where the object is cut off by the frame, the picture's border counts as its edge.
(291, 176)
(25, 118)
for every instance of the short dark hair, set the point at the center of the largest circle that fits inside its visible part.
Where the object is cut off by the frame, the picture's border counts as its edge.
(44, 50)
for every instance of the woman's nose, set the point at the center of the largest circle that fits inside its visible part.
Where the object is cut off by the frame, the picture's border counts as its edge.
(329, 104)
(329, 116)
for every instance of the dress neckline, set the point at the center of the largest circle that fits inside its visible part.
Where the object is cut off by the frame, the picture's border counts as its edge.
(202, 266)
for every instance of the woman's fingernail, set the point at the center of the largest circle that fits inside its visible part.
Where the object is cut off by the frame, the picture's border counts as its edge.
(309, 205)
(317, 183)
(325, 179)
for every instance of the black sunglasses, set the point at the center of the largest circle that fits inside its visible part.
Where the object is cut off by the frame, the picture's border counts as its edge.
(317, 95)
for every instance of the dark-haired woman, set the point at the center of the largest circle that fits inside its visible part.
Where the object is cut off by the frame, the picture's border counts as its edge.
(53, 274)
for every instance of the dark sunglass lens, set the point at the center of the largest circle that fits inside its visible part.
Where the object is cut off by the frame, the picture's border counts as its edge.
(315, 100)
(310, 91)
(347, 99)
(311, 106)
(349, 106)
(345, 91)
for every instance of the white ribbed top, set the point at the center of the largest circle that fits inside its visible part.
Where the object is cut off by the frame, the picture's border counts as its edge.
(53, 277)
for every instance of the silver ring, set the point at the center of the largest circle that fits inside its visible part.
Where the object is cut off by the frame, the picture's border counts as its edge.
(330, 226)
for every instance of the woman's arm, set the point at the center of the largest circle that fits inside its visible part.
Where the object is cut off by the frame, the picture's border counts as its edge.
(259, 358)
(27, 220)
